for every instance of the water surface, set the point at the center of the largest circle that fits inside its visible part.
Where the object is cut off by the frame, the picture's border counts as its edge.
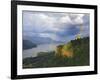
(40, 48)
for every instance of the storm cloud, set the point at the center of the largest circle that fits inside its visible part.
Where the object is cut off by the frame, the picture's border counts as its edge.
(54, 25)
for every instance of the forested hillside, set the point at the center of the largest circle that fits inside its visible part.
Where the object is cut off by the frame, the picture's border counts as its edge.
(79, 50)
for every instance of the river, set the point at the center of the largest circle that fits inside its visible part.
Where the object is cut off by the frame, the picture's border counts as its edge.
(40, 48)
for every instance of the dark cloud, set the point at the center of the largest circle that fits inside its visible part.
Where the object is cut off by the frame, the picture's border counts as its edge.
(71, 30)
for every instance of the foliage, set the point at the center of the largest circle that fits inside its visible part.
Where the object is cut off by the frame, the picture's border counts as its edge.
(68, 46)
(48, 59)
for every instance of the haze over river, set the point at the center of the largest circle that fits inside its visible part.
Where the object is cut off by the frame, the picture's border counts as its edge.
(40, 48)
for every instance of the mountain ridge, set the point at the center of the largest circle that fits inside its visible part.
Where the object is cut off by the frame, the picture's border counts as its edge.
(28, 44)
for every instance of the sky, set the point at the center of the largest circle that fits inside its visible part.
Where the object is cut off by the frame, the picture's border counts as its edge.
(55, 25)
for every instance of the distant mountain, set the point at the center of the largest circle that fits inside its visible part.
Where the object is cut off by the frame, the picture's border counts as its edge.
(41, 40)
(28, 44)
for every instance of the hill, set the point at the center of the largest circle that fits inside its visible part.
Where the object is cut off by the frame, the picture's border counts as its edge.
(80, 56)
(28, 44)
(40, 40)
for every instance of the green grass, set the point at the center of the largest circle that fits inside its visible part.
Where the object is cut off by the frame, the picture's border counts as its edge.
(48, 59)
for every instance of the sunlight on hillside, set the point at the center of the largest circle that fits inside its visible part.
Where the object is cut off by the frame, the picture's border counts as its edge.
(64, 50)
